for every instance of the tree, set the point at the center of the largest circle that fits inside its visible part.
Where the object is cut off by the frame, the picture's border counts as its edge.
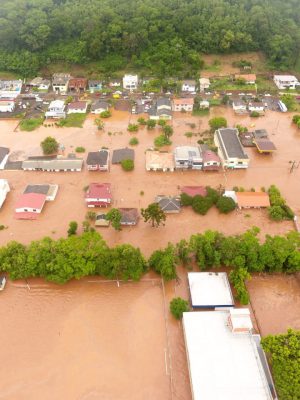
(178, 306)
(186, 200)
(217, 123)
(73, 225)
(127, 165)
(114, 216)
(225, 204)
(164, 262)
(99, 123)
(201, 204)
(142, 121)
(105, 114)
(150, 124)
(168, 131)
(161, 141)
(237, 278)
(133, 128)
(154, 214)
(49, 145)
(284, 353)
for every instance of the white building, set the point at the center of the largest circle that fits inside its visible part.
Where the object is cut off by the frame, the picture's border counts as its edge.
(239, 107)
(210, 290)
(256, 107)
(10, 89)
(188, 86)
(7, 105)
(286, 81)
(4, 152)
(204, 84)
(60, 82)
(56, 109)
(225, 359)
(183, 104)
(130, 82)
(204, 104)
(40, 83)
(230, 149)
(188, 157)
(77, 107)
(4, 189)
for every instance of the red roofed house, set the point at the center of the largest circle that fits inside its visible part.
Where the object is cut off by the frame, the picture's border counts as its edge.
(193, 191)
(211, 161)
(98, 195)
(30, 205)
(77, 85)
(185, 104)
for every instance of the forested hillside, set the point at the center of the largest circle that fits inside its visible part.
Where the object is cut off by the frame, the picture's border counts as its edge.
(164, 36)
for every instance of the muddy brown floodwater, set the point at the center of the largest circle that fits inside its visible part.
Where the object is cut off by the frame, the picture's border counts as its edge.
(89, 341)
(275, 300)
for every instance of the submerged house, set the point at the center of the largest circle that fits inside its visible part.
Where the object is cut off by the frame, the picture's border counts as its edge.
(230, 149)
(52, 164)
(130, 216)
(98, 160)
(188, 157)
(98, 195)
(169, 204)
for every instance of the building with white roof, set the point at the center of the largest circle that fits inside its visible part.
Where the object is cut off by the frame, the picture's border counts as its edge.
(210, 290)
(188, 157)
(130, 82)
(286, 81)
(56, 109)
(10, 89)
(4, 189)
(224, 362)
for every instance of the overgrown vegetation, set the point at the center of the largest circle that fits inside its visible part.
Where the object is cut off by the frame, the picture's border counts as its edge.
(216, 123)
(49, 145)
(279, 210)
(161, 141)
(178, 306)
(284, 355)
(127, 165)
(133, 141)
(72, 121)
(296, 120)
(143, 34)
(31, 124)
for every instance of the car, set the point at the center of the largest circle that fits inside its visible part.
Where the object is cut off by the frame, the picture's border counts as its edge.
(2, 282)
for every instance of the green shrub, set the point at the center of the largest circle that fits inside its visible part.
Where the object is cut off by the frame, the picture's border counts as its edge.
(49, 145)
(237, 278)
(217, 122)
(105, 114)
(73, 225)
(133, 141)
(127, 165)
(276, 213)
(212, 194)
(151, 123)
(225, 204)
(30, 124)
(133, 128)
(161, 141)
(90, 215)
(296, 119)
(80, 149)
(201, 204)
(142, 121)
(254, 114)
(186, 200)
(178, 306)
(188, 134)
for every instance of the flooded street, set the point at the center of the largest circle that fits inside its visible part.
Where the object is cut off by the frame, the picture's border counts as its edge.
(83, 341)
(127, 186)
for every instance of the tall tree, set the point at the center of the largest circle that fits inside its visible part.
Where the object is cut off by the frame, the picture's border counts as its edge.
(154, 214)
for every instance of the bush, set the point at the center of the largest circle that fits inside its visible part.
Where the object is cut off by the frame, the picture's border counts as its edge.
(142, 121)
(217, 122)
(178, 306)
(49, 145)
(237, 278)
(212, 194)
(73, 225)
(225, 204)
(161, 141)
(105, 114)
(276, 213)
(151, 123)
(133, 141)
(164, 262)
(80, 149)
(188, 134)
(30, 124)
(296, 119)
(127, 165)
(91, 215)
(133, 128)
(201, 204)
(254, 114)
(279, 210)
(186, 200)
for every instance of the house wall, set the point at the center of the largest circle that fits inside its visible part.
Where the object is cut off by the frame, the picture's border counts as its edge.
(188, 88)
(7, 107)
(28, 209)
(60, 88)
(97, 202)
(231, 162)
(77, 111)
(186, 107)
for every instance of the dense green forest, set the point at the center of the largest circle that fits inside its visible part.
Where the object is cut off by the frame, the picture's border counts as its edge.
(164, 37)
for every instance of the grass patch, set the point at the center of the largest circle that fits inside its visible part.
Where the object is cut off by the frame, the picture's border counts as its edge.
(31, 124)
(265, 85)
(73, 121)
(200, 113)
(215, 102)
(228, 84)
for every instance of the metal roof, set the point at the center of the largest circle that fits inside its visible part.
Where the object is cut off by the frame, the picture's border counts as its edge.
(230, 143)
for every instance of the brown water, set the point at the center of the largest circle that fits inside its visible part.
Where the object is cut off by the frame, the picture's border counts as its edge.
(84, 341)
(275, 300)
(69, 204)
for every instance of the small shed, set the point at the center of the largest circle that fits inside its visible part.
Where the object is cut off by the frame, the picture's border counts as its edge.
(264, 146)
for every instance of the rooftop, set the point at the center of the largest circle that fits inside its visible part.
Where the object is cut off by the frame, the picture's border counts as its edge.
(75, 105)
(97, 157)
(187, 153)
(122, 154)
(194, 190)
(230, 144)
(168, 203)
(184, 100)
(210, 289)
(223, 365)
(99, 191)
(31, 200)
(159, 160)
(252, 199)
(129, 215)
(3, 153)
(264, 145)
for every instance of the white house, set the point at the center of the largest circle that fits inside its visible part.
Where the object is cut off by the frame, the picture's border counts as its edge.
(4, 189)
(130, 82)
(183, 104)
(10, 89)
(204, 84)
(7, 105)
(188, 157)
(56, 109)
(239, 107)
(60, 82)
(188, 86)
(286, 81)
(204, 104)
(230, 149)
(40, 83)
(256, 107)
(99, 106)
(77, 107)
(4, 152)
